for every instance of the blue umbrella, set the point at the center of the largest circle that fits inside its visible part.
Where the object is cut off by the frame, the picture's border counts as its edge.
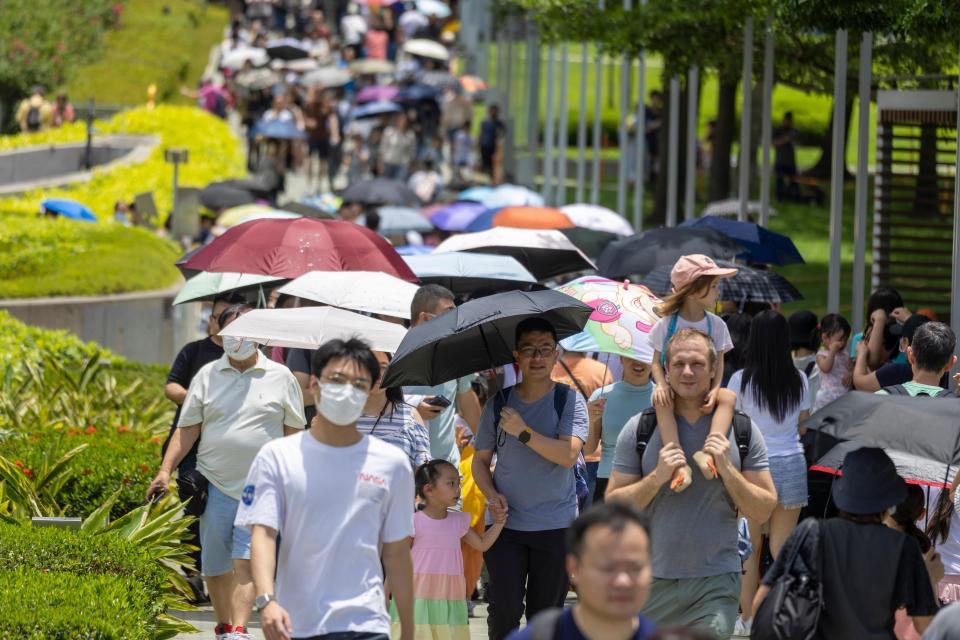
(433, 8)
(398, 220)
(417, 92)
(373, 109)
(464, 273)
(762, 245)
(415, 250)
(279, 130)
(475, 194)
(68, 209)
(456, 216)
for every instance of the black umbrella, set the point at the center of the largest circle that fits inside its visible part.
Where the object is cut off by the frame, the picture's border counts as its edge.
(187, 273)
(287, 49)
(306, 210)
(261, 185)
(913, 469)
(927, 428)
(641, 254)
(591, 241)
(478, 335)
(224, 196)
(749, 285)
(380, 191)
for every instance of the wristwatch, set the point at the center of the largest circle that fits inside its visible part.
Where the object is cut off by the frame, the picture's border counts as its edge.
(265, 599)
(524, 436)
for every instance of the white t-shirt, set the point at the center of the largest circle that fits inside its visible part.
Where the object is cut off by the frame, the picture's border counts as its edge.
(239, 413)
(781, 437)
(718, 331)
(334, 508)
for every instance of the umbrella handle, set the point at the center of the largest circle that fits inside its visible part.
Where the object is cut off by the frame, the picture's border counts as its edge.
(501, 435)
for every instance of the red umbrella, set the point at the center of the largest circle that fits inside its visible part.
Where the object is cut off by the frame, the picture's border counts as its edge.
(288, 248)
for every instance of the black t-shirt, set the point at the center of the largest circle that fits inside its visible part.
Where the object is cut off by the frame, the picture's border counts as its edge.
(301, 361)
(868, 571)
(894, 373)
(785, 155)
(188, 362)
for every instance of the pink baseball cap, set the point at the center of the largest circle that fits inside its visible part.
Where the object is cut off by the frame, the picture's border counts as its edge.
(689, 268)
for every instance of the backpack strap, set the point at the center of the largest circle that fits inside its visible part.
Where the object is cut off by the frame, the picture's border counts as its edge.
(944, 393)
(672, 329)
(897, 390)
(742, 431)
(646, 425)
(546, 624)
(560, 392)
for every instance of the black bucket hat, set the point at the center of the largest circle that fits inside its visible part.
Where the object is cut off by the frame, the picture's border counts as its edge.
(869, 483)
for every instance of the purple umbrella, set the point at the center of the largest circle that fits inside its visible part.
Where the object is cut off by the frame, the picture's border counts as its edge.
(377, 93)
(456, 216)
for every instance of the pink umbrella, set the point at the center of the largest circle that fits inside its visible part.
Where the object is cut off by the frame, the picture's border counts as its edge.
(377, 93)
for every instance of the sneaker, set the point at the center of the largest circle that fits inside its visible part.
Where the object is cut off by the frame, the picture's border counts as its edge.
(222, 630)
(238, 633)
(742, 628)
(469, 608)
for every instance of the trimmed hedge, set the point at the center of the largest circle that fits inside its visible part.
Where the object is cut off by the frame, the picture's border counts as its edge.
(63, 606)
(56, 583)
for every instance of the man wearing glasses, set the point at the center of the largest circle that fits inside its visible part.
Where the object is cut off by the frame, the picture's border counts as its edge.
(536, 432)
(342, 502)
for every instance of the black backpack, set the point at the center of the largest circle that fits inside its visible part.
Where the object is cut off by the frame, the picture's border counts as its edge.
(33, 119)
(900, 390)
(742, 428)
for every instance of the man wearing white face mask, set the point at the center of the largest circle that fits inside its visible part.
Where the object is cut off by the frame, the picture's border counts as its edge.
(343, 503)
(239, 403)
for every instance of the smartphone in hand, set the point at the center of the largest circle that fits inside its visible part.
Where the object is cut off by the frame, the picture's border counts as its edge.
(438, 401)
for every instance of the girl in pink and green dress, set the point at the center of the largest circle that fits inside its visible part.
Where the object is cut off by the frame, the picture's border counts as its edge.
(440, 606)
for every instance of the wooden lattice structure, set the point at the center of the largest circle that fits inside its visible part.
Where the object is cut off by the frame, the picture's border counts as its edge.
(913, 196)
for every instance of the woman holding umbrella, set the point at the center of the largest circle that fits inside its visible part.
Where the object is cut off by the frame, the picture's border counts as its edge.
(775, 395)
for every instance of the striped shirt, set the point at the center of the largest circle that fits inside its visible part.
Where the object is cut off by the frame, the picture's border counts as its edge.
(397, 426)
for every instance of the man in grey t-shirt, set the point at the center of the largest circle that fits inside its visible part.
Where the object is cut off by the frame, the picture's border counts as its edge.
(696, 567)
(542, 427)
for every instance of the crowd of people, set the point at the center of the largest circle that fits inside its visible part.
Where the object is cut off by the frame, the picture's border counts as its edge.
(337, 507)
(352, 102)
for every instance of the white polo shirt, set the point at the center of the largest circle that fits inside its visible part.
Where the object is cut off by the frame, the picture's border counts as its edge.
(239, 413)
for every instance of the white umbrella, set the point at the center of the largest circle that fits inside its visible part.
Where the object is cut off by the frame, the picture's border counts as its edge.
(326, 77)
(511, 195)
(597, 218)
(369, 291)
(395, 221)
(426, 49)
(300, 66)
(310, 327)
(235, 59)
(412, 21)
(544, 252)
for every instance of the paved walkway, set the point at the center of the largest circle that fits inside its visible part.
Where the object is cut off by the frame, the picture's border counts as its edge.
(205, 622)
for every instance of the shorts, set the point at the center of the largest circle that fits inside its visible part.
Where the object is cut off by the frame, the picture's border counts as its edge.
(220, 541)
(790, 478)
(706, 603)
(319, 147)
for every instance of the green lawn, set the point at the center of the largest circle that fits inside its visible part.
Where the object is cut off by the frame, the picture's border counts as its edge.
(150, 46)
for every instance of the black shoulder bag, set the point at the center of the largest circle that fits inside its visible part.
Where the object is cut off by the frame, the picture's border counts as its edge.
(791, 611)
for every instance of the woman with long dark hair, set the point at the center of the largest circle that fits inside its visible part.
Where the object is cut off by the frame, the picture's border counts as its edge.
(388, 417)
(775, 395)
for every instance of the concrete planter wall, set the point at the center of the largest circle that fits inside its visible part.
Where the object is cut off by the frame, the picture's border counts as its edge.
(143, 327)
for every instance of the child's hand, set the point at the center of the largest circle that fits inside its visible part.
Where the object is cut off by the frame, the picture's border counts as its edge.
(500, 516)
(710, 402)
(663, 397)
(836, 344)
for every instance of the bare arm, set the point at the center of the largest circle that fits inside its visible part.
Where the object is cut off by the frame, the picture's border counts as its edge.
(562, 450)
(274, 619)
(176, 393)
(398, 568)
(484, 542)
(875, 351)
(863, 378)
(752, 491)
(656, 370)
(483, 477)
(181, 442)
(595, 412)
(803, 416)
(468, 405)
(825, 362)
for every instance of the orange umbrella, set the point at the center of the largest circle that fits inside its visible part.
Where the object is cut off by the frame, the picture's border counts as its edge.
(531, 218)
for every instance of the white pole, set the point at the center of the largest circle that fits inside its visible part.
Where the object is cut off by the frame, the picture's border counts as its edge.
(766, 123)
(746, 88)
(955, 273)
(693, 108)
(625, 66)
(597, 108)
(533, 110)
(860, 201)
(836, 176)
(560, 193)
(582, 126)
(641, 138)
(550, 133)
(673, 152)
